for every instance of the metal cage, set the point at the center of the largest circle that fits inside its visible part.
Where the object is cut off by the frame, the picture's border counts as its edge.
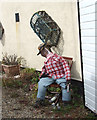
(45, 27)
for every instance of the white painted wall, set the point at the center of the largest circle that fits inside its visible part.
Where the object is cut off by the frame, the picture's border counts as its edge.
(88, 18)
(21, 39)
(0, 40)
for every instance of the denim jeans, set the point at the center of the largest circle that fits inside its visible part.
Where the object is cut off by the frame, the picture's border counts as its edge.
(46, 81)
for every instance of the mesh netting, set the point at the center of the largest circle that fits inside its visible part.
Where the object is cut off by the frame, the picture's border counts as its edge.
(45, 27)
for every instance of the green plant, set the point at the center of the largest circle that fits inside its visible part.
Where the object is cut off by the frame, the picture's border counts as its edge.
(34, 80)
(91, 116)
(0, 83)
(53, 89)
(34, 90)
(29, 70)
(11, 59)
(30, 75)
(30, 78)
(12, 83)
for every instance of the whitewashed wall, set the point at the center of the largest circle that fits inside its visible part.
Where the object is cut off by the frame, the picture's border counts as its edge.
(0, 39)
(88, 18)
(21, 39)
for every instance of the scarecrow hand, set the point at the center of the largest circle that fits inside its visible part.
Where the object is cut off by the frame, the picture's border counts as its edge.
(68, 82)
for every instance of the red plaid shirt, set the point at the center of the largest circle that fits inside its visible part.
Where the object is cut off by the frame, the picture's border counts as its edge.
(56, 66)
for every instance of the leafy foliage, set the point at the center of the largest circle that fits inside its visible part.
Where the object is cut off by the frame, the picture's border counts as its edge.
(29, 70)
(29, 76)
(11, 59)
(53, 89)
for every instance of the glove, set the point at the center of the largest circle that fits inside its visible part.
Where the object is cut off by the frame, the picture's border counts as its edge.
(44, 75)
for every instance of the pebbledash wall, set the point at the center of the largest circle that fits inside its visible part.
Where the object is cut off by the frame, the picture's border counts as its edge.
(88, 23)
(19, 38)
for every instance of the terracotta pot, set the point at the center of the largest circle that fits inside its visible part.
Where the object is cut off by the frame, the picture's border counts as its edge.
(11, 70)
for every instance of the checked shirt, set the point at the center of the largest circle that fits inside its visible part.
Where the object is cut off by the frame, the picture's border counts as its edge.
(56, 66)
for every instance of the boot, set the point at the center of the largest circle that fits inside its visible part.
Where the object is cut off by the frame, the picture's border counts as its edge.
(39, 103)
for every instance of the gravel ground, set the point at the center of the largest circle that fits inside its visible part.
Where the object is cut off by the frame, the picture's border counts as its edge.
(13, 106)
(0, 100)
(17, 103)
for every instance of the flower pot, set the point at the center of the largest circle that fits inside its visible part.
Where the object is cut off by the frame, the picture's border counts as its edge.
(11, 70)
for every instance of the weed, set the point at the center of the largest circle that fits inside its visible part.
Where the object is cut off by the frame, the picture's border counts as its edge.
(67, 109)
(29, 70)
(91, 116)
(34, 80)
(53, 89)
(82, 106)
(11, 82)
(0, 83)
(34, 90)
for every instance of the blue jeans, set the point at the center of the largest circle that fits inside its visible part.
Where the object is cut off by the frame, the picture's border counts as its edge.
(46, 81)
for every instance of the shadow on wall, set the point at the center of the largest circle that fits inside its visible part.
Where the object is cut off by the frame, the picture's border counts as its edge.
(59, 48)
(2, 35)
(74, 71)
(3, 39)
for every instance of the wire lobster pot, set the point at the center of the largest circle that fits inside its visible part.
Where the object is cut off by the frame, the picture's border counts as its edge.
(45, 27)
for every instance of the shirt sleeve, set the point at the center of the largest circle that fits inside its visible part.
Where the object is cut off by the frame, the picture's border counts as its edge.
(66, 68)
